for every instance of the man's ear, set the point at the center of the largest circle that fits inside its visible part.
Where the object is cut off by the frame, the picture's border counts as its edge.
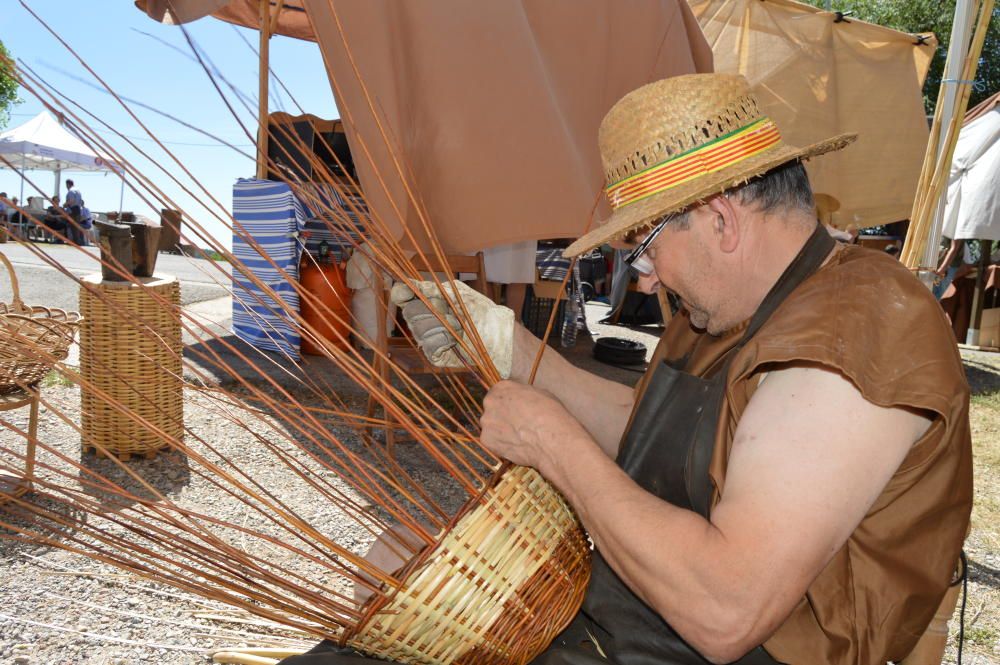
(727, 223)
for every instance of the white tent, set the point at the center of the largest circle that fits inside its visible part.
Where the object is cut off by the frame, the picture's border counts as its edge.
(972, 210)
(43, 144)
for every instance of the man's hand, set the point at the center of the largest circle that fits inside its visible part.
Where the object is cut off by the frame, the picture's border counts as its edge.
(432, 320)
(527, 426)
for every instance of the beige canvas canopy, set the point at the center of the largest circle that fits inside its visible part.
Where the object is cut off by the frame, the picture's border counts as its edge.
(818, 77)
(290, 20)
(491, 108)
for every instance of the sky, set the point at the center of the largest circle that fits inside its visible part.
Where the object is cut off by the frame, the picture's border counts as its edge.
(152, 66)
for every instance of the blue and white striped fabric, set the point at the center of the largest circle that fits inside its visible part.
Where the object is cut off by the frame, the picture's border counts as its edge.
(272, 216)
(338, 219)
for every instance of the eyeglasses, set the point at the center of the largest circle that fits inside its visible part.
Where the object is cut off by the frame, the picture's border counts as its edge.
(636, 260)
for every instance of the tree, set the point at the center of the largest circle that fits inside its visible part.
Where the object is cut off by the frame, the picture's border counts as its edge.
(8, 86)
(922, 16)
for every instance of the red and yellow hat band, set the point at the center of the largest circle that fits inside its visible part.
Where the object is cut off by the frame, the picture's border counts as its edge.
(710, 157)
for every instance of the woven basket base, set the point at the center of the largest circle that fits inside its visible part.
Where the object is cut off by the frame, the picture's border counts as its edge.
(495, 589)
(12, 486)
(121, 456)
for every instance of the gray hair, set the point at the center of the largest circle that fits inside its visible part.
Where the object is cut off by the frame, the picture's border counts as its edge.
(785, 187)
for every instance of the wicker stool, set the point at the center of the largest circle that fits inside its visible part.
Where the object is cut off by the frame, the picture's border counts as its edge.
(12, 486)
(130, 353)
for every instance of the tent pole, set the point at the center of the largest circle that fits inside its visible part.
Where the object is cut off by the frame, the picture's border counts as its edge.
(121, 197)
(265, 39)
(962, 25)
(21, 198)
(58, 174)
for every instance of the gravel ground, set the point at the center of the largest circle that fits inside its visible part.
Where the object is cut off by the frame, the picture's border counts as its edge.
(51, 616)
(58, 607)
(982, 616)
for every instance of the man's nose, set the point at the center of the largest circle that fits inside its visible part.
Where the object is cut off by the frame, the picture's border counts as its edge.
(649, 283)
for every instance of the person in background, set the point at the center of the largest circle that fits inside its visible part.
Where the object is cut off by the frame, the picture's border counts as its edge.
(74, 200)
(13, 214)
(55, 219)
(5, 209)
(78, 232)
(957, 262)
(514, 265)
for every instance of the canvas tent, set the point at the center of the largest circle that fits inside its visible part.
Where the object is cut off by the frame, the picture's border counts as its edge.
(818, 76)
(990, 103)
(43, 144)
(491, 109)
(972, 208)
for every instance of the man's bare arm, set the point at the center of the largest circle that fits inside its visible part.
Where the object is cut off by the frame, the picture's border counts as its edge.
(810, 457)
(602, 406)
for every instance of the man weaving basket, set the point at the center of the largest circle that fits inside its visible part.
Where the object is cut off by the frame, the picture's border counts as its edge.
(792, 480)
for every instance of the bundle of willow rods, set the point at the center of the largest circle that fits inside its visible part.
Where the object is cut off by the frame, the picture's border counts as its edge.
(937, 164)
(489, 578)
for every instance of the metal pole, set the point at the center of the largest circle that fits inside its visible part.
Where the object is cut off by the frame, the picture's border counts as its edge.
(58, 173)
(21, 198)
(121, 197)
(961, 34)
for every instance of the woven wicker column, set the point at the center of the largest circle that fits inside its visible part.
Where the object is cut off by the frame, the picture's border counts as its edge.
(130, 346)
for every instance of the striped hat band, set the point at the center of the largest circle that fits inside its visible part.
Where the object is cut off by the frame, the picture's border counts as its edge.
(715, 155)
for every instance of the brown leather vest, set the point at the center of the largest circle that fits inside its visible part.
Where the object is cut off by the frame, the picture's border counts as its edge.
(863, 315)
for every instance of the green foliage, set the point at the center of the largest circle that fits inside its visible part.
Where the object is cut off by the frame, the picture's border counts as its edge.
(55, 379)
(923, 16)
(8, 87)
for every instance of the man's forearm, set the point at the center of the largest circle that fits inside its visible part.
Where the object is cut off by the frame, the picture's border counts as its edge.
(674, 559)
(601, 406)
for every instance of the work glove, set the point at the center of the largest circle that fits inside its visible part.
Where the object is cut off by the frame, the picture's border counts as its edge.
(495, 324)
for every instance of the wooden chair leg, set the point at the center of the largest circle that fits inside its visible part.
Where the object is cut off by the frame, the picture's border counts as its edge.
(29, 467)
(390, 437)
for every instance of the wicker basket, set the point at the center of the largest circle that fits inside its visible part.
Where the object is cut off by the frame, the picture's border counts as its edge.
(130, 361)
(496, 589)
(32, 339)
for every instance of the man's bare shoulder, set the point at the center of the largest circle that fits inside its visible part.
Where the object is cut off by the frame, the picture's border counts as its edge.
(810, 457)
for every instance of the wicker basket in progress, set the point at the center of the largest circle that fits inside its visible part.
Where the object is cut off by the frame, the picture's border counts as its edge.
(130, 364)
(32, 339)
(496, 589)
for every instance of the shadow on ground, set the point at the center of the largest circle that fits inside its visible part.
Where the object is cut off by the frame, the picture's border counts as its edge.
(982, 574)
(140, 479)
(984, 378)
(227, 361)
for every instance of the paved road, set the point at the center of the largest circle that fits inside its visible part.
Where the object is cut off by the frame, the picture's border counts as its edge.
(42, 282)
(84, 260)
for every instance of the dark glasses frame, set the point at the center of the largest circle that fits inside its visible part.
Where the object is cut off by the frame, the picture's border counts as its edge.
(647, 241)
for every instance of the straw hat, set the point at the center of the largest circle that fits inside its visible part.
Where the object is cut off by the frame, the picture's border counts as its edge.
(680, 140)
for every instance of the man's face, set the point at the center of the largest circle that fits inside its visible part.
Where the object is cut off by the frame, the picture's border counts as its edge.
(683, 262)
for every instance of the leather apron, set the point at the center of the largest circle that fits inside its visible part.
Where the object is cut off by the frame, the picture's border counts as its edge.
(666, 450)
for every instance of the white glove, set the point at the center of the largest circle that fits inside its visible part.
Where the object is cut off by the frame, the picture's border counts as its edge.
(495, 324)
